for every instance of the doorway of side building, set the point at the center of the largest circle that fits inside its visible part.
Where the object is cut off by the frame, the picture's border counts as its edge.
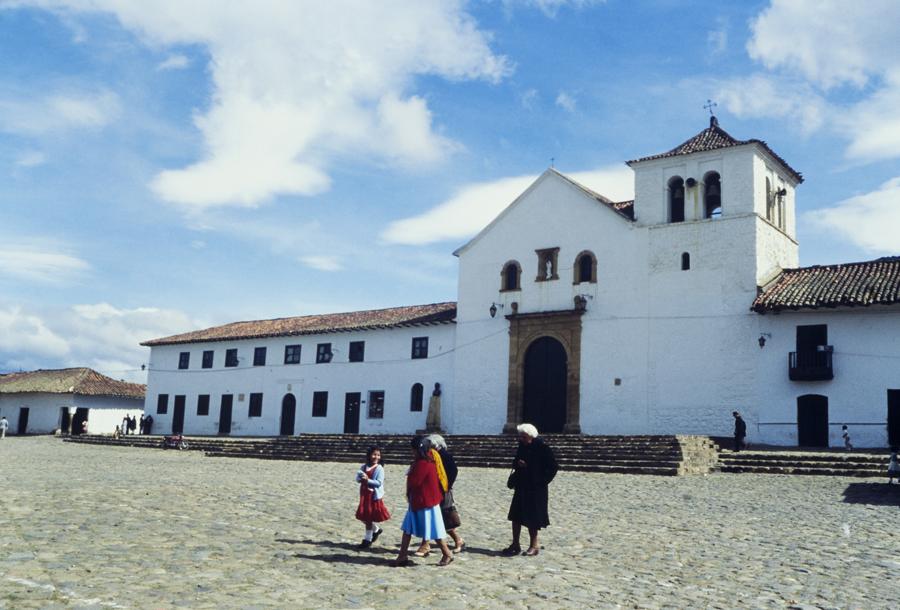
(65, 420)
(893, 418)
(812, 420)
(23, 420)
(351, 412)
(544, 391)
(225, 414)
(288, 414)
(79, 419)
(178, 415)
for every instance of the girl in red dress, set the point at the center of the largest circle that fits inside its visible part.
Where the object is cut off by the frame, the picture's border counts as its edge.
(371, 508)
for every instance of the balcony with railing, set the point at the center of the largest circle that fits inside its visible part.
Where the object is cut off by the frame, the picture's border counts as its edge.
(811, 365)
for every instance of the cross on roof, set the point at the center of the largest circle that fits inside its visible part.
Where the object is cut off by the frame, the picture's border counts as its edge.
(709, 105)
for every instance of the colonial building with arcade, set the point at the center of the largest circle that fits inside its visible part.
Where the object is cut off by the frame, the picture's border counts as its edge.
(580, 314)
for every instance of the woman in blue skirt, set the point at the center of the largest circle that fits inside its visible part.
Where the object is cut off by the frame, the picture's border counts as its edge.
(423, 518)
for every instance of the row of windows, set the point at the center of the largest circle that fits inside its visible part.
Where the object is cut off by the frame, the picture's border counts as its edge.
(324, 354)
(319, 402)
(585, 269)
(712, 196)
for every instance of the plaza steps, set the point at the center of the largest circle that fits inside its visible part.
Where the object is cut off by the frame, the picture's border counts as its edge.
(656, 455)
(824, 463)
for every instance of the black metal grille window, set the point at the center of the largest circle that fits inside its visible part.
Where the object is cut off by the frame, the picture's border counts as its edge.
(184, 360)
(811, 365)
(162, 404)
(259, 356)
(255, 405)
(323, 353)
(357, 351)
(207, 359)
(292, 354)
(203, 404)
(231, 358)
(320, 404)
(376, 404)
(420, 347)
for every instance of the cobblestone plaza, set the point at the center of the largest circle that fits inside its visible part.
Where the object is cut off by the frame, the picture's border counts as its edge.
(104, 527)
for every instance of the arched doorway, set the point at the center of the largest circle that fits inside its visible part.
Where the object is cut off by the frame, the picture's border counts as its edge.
(288, 414)
(544, 392)
(812, 420)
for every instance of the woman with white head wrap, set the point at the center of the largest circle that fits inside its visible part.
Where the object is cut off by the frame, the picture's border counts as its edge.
(533, 468)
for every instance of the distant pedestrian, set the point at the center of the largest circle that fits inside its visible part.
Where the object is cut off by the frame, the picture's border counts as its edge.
(132, 424)
(143, 424)
(125, 422)
(845, 434)
(84, 427)
(893, 467)
(371, 509)
(149, 424)
(117, 433)
(534, 467)
(4, 425)
(740, 431)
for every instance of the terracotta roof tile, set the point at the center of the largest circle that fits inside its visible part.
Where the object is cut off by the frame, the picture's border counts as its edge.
(83, 381)
(861, 284)
(714, 138)
(412, 315)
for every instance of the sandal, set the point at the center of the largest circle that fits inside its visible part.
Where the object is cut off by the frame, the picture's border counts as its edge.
(513, 549)
(423, 551)
(531, 552)
(445, 560)
(459, 547)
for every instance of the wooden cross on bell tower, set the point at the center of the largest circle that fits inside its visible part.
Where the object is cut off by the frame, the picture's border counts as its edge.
(709, 105)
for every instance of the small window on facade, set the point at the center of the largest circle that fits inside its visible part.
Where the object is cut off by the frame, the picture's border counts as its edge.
(676, 199)
(357, 351)
(685, 261)
(292, 354)
(231, 358)
(255, 409)
(416, 397)
(320, 404)
(585, 268)
(162, 404)
(259, 356)
(203, 404)
(511, 276)
(376, 404)
(207, 359)
(712, 196)
(184, 360)
(420, 347)
(323, 353)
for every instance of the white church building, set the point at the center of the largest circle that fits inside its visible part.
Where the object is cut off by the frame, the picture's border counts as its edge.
(579, 314)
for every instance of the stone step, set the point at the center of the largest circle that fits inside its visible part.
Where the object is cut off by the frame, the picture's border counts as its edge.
(792, 456)
(822, 471)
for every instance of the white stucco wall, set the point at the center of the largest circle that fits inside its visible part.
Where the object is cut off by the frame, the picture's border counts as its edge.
(387, 367)
(866, 363)
(44, 411)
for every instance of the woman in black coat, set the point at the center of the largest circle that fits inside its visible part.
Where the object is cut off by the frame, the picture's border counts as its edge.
(534, 467)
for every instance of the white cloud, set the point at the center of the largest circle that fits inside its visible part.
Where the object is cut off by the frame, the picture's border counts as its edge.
(717, 39)
(871, 221)
(31, 158)
(761, 95)
(475, 205)
(174, 62)
(299, 84)
(29, 113)
(551, 7)
(100, 336)
(34, 261)
(529, 99)
(565, 101)
(322, 263)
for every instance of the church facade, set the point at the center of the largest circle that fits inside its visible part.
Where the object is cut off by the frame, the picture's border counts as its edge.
(580, 314)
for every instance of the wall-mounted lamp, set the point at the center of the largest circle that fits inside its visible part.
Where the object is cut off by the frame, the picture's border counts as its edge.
(781, 192)
(690, 183)
(494, 307)
(762, 339)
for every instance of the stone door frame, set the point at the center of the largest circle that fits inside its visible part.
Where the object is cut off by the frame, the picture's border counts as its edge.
(524, 329)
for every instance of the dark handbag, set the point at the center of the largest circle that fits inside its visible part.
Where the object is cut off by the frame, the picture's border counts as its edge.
(513, 479)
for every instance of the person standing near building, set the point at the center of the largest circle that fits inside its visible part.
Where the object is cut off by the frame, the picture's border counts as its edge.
(740, 431)
(845, 434)
(4, 425)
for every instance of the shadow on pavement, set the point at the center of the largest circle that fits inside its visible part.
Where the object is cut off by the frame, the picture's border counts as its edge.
(876, 493)
(347, 546)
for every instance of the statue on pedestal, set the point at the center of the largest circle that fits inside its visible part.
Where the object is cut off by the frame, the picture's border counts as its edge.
(433, 420)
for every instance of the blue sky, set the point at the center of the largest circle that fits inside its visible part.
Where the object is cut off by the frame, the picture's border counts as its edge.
(168, 165)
